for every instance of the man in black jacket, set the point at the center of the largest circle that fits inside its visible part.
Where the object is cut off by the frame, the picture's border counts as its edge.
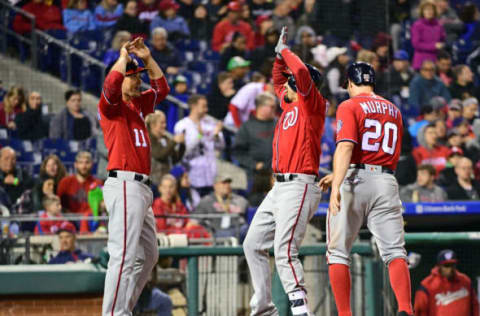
(13, 179)
(396, 80)
(465, 188)
(32, 124)
(253, 142)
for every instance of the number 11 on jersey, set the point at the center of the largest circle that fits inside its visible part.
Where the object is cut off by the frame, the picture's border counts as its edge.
(138, 134)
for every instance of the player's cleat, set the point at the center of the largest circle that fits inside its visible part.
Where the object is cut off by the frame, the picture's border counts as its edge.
(404, 314)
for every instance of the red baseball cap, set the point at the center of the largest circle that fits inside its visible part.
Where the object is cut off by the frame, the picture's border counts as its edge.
(168, 4)
(67, 227)
(262, 18)
(235, 6)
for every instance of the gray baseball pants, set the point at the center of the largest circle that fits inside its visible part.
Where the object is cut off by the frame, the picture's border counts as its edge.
(132, 244)
(372, 196)
(280, 221)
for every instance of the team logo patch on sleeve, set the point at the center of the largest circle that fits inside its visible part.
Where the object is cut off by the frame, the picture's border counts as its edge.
(339, 125)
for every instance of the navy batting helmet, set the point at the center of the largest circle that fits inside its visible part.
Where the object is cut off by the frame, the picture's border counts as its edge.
(360, 73)
(314, 74)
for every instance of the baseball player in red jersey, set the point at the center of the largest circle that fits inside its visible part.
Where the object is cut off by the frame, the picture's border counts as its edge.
(132, 242)
(369, 138)
(281, 219)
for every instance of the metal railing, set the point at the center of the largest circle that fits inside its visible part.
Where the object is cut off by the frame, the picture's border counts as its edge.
(68, 52)
(212, 271)
(5, 8)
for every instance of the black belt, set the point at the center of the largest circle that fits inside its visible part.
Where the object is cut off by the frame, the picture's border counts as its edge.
(289, 177)
(137, 177)
(363, 166)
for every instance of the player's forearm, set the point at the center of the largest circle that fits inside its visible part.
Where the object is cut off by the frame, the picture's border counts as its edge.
(341, 162)
(279, 68)
(120, 65)
(299, 71)
(154, 70)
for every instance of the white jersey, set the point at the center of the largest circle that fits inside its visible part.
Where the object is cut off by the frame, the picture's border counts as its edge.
(244, 101)
(200, 150)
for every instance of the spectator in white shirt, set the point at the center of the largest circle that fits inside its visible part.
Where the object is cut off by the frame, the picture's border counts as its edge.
(203, 136)
(243, 103)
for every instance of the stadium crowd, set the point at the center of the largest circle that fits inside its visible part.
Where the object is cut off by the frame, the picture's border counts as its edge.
(218, 57)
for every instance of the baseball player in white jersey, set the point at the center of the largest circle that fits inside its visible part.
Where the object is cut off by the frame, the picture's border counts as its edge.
(369, 137)
(243, 103)
(132, 242)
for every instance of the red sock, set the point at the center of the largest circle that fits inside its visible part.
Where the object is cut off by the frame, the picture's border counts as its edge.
(400, 282)
(340, 282)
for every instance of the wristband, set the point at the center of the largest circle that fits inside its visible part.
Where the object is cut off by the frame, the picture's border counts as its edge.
(15, 181)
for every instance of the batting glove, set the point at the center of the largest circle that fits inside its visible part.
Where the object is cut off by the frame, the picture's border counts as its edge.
(282, 42)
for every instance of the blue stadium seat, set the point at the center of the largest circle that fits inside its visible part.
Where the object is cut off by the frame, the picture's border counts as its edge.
(198, 65)
(29, 158)
(188, 45)
(55, 145)
(211, 55)
(203, 88)
(21, 146)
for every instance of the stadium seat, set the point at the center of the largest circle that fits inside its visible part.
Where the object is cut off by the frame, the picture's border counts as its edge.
(188, 45)
(203, 88)
(198, 65)
(22, 146)
(211, 55)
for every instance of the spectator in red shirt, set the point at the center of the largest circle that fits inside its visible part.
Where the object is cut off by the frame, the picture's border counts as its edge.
(169, 203)
(147, 11)
(446, 291)
(13, 104)
(47, 17)
(431, 153)
(73, 190)
(53, 208)
(224, 30)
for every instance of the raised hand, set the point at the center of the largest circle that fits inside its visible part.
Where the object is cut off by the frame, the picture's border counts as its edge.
(282, 42)
(124, 51)
(139, 49)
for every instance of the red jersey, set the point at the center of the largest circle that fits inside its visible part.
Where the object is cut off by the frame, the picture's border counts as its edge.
(123, 124)
(224, 30)
(74, 195)
(436, 157)
(169, 224)
(296, 142)
(48, 17)
(375, 125)
(439, 296)
(48, 227)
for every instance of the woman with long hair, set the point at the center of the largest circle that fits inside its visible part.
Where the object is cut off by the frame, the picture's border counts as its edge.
(14, 102)
(52, 168)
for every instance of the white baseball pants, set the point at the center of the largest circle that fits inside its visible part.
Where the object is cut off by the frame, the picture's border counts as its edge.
(132, 244)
